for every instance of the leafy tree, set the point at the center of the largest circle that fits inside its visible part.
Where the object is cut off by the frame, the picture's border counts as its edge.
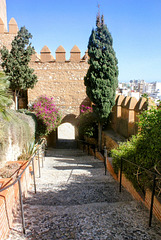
(5, 96)
(102, 77)
(16, 63)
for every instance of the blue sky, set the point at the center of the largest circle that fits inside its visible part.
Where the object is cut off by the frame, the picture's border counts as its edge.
(135, 26)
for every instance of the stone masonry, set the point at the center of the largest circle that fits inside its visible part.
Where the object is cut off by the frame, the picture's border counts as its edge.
(3, 13)
(64, 81)
(6, 38)
(58, 78)
(76, 201)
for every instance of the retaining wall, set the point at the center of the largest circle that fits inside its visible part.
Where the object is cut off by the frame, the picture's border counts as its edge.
(9, 198)
(130, 188)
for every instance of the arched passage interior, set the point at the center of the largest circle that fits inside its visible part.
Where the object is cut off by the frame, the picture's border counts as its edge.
(66, 134)
(66, 131)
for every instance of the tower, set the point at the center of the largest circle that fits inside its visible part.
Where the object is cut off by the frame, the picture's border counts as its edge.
(3, 13)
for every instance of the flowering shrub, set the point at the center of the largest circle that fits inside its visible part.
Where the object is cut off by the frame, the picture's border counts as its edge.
(86, 109)
(47, 113)
(87, 123)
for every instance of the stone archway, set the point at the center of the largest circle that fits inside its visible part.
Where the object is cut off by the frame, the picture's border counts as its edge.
(67, 132)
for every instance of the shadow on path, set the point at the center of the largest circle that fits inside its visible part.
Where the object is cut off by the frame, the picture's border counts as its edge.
(75, 200)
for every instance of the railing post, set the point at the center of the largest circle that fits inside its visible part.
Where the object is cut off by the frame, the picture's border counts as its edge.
(120, 175)
(105, 159)
(42, 159)
(21, 205)
(44, 151)
(152, 200)
(94, 151)
(88, 148)
(83, 146)
(39, 163)
(33, 168)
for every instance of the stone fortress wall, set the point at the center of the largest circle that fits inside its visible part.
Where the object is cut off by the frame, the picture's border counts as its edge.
(64, 81)
(7, 37)
(3, 13)
(124, 115)
(57, 77)
(61, 79)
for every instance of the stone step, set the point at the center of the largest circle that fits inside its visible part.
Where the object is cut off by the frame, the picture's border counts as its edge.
(76, 201)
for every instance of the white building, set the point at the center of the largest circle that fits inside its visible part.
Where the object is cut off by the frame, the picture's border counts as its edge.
(135, 94)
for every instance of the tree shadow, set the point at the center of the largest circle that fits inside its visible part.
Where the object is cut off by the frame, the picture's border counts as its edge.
(87, 183)
(74, 204)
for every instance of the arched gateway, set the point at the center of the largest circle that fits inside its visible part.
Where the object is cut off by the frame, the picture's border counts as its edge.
(66, 134)
(61, 79)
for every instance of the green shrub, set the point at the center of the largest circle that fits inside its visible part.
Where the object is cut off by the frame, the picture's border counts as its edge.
(143, 149)
(88, 125)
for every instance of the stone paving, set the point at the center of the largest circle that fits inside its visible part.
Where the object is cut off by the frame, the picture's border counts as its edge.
(75, 200)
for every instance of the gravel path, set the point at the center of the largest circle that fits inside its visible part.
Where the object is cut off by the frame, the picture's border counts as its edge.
(75, 200)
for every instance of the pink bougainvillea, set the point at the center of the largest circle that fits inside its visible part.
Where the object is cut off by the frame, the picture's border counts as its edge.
(86, 109)
(46, 110)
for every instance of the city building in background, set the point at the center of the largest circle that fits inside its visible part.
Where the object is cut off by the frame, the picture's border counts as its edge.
(136, 88)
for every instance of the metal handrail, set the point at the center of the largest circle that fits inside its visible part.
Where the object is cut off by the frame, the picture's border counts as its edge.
(89, 144)
(154, 182)
(18, 179)
(121, 170)
(147, 170)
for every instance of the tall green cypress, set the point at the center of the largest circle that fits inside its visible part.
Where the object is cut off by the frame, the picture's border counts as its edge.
(102, 77)
(16, 63)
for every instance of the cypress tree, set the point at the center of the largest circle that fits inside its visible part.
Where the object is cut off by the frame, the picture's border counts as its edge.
(102, 77)
(16, 63)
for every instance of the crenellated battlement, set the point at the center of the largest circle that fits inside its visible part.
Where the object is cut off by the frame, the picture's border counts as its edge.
(63, 80)
(124, 114)
(6, 37)
(45, 55)
(60, 53)
(13, 27)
